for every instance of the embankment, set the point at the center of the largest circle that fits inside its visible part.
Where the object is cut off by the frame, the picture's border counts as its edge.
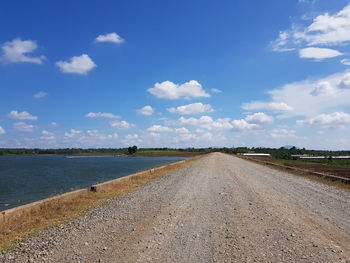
(16, 223)
(300, 171)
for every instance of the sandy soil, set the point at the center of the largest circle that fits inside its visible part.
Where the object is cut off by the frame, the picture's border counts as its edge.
(217, 209)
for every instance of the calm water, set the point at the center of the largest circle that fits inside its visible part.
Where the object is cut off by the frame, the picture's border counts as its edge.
(24, 179)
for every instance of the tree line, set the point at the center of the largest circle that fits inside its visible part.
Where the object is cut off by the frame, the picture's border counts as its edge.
(280, 153)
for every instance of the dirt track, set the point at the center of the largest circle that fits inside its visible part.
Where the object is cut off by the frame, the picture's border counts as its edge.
(218, 209)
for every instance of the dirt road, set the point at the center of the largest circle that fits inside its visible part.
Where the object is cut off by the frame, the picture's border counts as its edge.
(217, 209)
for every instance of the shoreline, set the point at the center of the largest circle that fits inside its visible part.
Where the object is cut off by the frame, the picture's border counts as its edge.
(88, 188)
(68, 205)
(78, 175)
(174, 154)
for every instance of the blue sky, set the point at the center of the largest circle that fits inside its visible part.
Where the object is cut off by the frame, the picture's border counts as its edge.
(175, 73)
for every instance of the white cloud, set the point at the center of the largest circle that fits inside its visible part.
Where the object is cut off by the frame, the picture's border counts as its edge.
(159, 128)
(48, 136)
(170, 90)
(40, 95)
(194, 108)
(54, 124)
(214, 90)
(21, 115)
(307, 1)
(181, 130)
(328, 29)
(223, 124)
(94, 135)
(72, 133)
(307, 97)
(131, 139)
(147, 110)
(331, 120)
(17, 50)
(280, 44)
(111, 37)
(345, 61)
(259, 118)
(324, 88)
(344, 82)
(23, 127)
(206, 122)
(276, 107)
(318, 54)
(78, 64)
(2, 130)
(324, 30)
(282, 133)
(121, 125)
(90, 139)
(240, 125)
(101, 115)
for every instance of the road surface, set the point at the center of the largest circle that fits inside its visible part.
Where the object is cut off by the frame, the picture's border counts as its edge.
(217, 209)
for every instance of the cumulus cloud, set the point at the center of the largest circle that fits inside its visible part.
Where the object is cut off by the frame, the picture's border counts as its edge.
(21, 115)
(94, 137)
(101, 115)
(240, 125)
(194, 108)
(159, 128)
(310, 97)
(72, 133)
(328, 29)
(54, 124)
(170, 90)
(2, 130)
(122, 125)
(90, 139)
(78, 65)
(111, 37)
(276, 107)
(131, 139)
(47, 136)
(259, 118)
(344, 82)
(324, 30)
(181, 130)
(324, 88)
(331, 120)
(40, 95)
(17, 50)
(23, 127)
(147, 110)
(207, 122)
(319, 54)
(282, 133)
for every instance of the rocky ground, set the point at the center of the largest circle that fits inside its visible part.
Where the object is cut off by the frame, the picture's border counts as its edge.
(217, 209)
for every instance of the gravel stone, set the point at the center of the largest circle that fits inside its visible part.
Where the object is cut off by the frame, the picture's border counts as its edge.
(217, 209)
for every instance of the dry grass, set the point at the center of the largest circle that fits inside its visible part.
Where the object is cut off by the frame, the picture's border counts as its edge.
(54, 212)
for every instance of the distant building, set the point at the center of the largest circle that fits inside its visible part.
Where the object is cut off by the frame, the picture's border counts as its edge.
(257, 154)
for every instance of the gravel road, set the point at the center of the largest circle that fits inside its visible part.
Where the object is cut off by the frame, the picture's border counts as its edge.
(217, 209)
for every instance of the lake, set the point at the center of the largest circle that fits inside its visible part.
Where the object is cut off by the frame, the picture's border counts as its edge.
(25, 179)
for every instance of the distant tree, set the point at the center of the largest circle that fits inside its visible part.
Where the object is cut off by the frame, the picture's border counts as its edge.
(132, 150)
